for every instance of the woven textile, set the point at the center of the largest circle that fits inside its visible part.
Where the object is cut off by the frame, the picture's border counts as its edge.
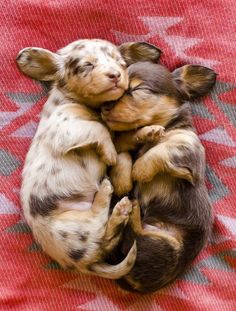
(188, 31)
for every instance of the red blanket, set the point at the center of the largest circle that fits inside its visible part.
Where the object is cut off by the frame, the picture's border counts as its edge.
(188, 31)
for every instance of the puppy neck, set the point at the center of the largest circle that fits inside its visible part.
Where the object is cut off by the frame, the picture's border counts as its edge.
(59, 98)
(181, 119)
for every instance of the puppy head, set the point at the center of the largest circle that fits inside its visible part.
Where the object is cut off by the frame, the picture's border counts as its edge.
(155, 95)
(91, 71)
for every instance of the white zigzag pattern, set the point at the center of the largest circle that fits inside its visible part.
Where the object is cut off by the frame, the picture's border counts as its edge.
(159, 25)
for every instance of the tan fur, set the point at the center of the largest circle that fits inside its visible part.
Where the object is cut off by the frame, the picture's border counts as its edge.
(120, 174)
(158, 159)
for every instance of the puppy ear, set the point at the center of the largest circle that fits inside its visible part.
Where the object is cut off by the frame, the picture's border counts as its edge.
(133, 52)
(39, 64)
(194, 81)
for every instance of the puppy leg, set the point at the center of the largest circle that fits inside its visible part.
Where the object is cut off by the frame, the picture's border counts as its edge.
(102, 199)
(135, 218)
(157, 160)
(121, 174)
(151, 163)
(125, 141)
(81, 134)
(149, 134)
(116, 223)
(130, 140)
(136, 224)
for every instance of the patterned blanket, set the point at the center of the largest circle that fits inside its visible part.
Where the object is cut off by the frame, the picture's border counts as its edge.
(188, 31)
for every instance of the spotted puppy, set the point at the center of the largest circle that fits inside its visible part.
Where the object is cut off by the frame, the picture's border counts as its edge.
(62, 198)
(169, 170)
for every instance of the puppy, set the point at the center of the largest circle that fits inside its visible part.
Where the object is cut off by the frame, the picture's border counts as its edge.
(62, 200)
(169, 170)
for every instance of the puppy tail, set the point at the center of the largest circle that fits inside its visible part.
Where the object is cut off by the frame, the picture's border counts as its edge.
(116, 271)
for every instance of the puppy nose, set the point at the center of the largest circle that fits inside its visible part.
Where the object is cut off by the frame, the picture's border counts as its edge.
(107, 108)
(114, 75)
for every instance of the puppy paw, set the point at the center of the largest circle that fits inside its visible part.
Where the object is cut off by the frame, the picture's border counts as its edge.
(109, 156)
(106, 187)
(150, 134)
(122, 211)
(141, 171)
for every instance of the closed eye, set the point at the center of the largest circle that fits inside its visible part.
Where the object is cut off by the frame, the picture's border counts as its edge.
(88, 65)
(138, 88)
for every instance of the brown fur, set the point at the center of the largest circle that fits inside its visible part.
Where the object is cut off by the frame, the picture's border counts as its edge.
(169, 170)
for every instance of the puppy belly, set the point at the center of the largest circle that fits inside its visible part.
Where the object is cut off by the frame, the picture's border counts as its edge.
(79, 206)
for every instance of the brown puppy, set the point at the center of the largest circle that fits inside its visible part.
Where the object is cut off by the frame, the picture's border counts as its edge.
(176, 213)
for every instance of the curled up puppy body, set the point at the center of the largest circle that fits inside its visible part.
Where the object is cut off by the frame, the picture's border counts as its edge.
(169, 171)
(63, 198)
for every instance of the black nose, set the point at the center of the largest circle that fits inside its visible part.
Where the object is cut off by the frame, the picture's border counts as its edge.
(114, 76)
(107, 108)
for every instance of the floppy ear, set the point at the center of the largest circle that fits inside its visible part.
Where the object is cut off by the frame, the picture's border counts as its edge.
(39, 64)
(133, 52)
(194, 81)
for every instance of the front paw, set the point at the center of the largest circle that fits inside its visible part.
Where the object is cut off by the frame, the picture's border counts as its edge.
(122, 210)
(109, 156)
(106, 187)
(150, 134)
(141, 171)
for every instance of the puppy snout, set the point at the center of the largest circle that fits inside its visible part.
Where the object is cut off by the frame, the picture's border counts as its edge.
(107, 108)
(114, 75)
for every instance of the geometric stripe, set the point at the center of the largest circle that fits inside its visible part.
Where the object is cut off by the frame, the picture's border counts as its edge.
(201, 110)
(27, 130)
(8, 163)
(193, 274)
(228, 109)
(105, 305)
(230, 162)
(158, 25)
(6, 206)
(218, 136)
(19, 227)
(22, 98)
(34, 247)
(24, 102)
(216, 238)
(216, 262)
(219, 190)
(229, 223)
(230, 253)
(53, 265)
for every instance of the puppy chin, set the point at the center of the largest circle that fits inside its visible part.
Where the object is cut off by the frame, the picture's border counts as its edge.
(113, 94)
